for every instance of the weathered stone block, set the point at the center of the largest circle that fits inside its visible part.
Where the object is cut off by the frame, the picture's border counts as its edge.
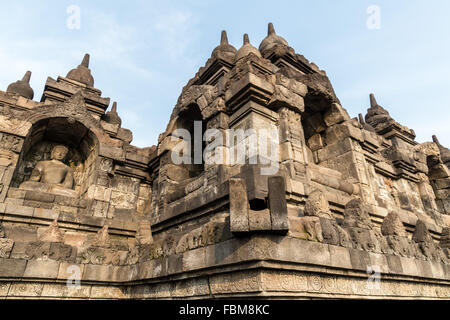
(256, 184)
(424, 268)
(315, 142)
(69, 219)
(70, 271)
(111, 152)
(39, 196)
(297, 187)
(443, 183)
(20, 233)
(194, 259)
(439, 171)
(12, 268)
(438, 270)
(259, 220)
(67, 201)
(130, 225)
(19, 250)
(191, 288)
(409, 266)
(24, 289)
(286, 152)
(106, 292)
(443, 194)
(306, 228)
(146, 269)
(54, 291)
(302, 251)
(42, 213)
(160, 267)
(335, 114)
(88, 220)
(227, 252)
(16, 193)
(41, 269)
(81, 292)
(144, 233)
(99, 193)
(37, 204)
(248, 281)
(321, 148)
(19, 210)
(97, 273)
(125, 135)
(380, 261)
(277, 203)
(340, 257)
(360, 259)
(4, 288)
(220, 121)
(14, 201)
(239, 206)
(394, 264)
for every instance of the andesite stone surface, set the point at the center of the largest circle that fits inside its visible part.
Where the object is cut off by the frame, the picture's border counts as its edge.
(349, 196)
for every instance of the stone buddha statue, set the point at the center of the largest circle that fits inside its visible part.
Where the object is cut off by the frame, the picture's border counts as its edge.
(52, 176)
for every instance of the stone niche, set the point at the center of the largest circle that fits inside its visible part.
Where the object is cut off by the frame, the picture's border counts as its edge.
(81, 157)
(313, 121)
(186, 120)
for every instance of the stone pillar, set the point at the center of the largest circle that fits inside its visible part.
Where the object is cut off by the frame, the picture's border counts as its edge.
(277, 204)
(293, 151)
(239, 206)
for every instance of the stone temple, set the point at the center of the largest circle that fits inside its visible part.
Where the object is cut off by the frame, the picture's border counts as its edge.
(356, 209)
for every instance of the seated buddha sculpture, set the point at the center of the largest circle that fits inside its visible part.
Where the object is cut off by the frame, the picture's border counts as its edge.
(52, 176)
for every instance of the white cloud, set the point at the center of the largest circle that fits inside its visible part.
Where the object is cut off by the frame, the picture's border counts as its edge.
(176, 31)
(107, 40)
(114, 44)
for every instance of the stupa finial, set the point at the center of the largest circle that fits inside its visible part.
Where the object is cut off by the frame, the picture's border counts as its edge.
(270, 29)
(373, 101)
(246, 39)
(223, 38)
(85, 62)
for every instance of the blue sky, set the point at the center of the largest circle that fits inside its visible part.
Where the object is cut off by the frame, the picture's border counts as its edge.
(144, 52)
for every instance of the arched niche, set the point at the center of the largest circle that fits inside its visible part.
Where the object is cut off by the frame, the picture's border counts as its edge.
(312, 119)
(186, 120)
(45, 134)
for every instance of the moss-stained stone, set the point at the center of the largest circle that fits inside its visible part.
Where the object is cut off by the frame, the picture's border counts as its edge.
(351, 199)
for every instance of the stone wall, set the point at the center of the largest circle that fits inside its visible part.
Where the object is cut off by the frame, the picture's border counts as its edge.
(350, 198)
